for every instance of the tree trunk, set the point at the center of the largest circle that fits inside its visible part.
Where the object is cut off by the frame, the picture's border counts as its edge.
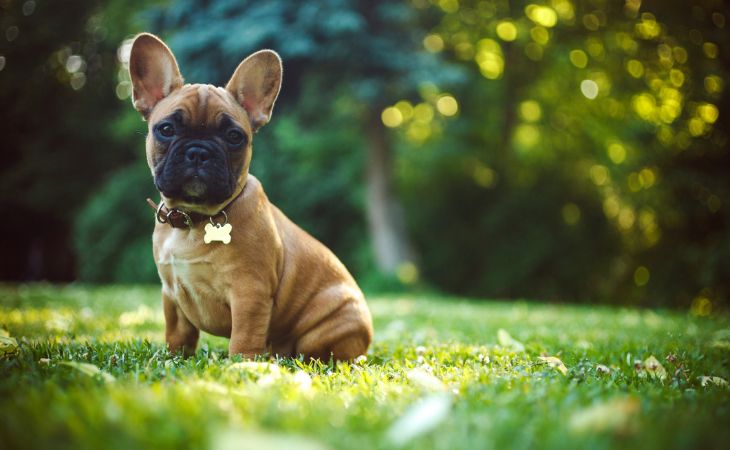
(385, 213)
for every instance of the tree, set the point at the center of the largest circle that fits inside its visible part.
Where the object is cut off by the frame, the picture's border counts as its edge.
(593, 141)
(60, 129)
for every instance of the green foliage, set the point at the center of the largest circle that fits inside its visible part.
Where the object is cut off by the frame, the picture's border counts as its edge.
(584, 163)
(57, 91)
(113, 232)
(90, 370)
(581, 153)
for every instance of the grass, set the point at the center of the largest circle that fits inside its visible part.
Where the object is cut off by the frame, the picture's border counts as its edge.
(90, 371)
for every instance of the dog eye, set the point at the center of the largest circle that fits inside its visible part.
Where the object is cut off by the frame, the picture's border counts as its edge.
(235, 137)
(166, 130)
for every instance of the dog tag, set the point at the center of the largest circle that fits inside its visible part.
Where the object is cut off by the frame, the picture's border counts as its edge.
(217, 232)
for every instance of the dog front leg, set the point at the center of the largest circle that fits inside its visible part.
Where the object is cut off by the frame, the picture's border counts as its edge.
(180, 334)
(250, 317)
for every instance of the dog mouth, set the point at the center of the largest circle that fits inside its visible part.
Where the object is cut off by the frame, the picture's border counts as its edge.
(194, 189)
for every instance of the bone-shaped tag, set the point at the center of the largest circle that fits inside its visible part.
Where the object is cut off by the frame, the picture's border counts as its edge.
(217, 232)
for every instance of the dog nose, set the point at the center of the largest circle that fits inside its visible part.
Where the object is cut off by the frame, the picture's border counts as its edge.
(196, 154)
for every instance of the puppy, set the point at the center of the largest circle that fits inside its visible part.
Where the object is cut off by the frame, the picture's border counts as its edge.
(231, 263)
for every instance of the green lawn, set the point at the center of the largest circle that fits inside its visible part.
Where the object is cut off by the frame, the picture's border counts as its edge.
(90, 371)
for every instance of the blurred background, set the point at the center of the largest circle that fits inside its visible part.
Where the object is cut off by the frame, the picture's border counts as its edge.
(557, 150)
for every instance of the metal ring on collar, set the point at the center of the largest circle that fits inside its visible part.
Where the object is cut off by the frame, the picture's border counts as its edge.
(161, 218)
(188, 220)
(225, 219)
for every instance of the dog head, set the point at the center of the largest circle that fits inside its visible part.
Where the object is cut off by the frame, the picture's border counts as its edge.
(199, 138)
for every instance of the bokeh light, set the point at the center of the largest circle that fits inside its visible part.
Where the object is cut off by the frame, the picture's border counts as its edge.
(589, 89)
(507, 31)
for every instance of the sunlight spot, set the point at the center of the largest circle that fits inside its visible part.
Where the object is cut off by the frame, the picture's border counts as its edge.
(718, 19)
(713, 84)
(530, 110)
(641, 276)
(644, 105)
(708, 112)
(626, 218)
(589, 89)
(696, 126)
(635, 68)
(449, 6)
(423, 112)
(611, 207)
(542, 15)
(507, 31)
(591, 22)
(680, 54)
(578, 58)
(407, 273)
(714, 203)
(564, 9)
(483, 175)
(710, 49)
(527, 136)
(433, 43)
(405, 108)
(616, 152)
(571, 213)
(391, 117)
(634, 182)
(75, 63)
(540, 35)
(489, 58)
(599, 174)
(447, 105)
(648, 28)
(647, 177)
(676, 77)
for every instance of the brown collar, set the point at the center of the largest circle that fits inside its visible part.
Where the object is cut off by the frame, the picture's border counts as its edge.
(175, 217)
(178, 218)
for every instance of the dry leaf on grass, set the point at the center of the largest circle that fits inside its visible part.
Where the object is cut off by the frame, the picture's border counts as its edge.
(555, 363)
(713, 381)
(653, 368)
(8, 345)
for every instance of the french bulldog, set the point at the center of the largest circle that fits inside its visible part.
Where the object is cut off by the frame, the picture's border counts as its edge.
(230, 262)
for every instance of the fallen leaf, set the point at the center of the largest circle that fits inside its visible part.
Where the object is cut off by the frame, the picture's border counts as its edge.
(8, 345)
(602, 369)
(505, 340)
(654, 368)
(615, 415)
(420, 418)
(89, 370)
(716, 381)
(555, 363)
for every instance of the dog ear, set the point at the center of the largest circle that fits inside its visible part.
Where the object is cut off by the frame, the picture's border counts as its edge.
(154, 72)
(255, 85)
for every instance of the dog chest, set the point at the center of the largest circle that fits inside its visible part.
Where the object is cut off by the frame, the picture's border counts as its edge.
(190, 278)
